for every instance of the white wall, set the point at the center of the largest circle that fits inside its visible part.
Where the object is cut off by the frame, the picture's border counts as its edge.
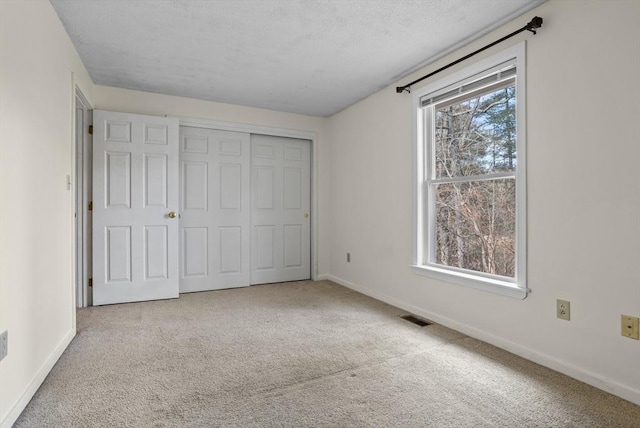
(36, 221)
(583, 141)
(129, 101)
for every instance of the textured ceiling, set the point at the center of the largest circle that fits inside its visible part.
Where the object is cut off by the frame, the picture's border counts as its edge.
(313, 57)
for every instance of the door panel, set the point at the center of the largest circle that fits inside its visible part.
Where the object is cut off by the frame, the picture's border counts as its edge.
(195, 252)
(155, 180)
(292, 182)
(118, 177)
(156, 252)
(263, 180)
(263, 247)
(281, 203)
(292, 243)
(230, 249)
(194, 186)
(215, 209)
(135, 185)
(230, 186)
(118, 254)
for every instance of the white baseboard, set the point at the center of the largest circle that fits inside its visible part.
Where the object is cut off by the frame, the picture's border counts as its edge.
(13, 414)
(593, 379)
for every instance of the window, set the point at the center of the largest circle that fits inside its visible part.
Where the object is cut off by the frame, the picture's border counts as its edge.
(470, 176)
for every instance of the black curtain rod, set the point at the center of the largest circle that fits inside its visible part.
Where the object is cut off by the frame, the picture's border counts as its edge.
(536, 22)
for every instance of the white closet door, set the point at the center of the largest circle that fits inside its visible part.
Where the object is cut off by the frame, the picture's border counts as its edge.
(280, 208)
(215, 209)
(135, 188)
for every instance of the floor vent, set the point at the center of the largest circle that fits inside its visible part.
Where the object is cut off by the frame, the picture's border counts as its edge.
(415, 320)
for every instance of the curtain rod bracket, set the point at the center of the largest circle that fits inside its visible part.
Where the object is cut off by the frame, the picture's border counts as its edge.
(536, 22)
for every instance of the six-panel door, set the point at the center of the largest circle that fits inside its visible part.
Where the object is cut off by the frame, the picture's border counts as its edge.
(135, 188)
(281, 204)
(215, 208)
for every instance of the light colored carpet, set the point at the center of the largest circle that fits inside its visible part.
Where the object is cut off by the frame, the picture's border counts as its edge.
(299, 354)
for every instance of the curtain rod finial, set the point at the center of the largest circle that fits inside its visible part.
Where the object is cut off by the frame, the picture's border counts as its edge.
(536, 22)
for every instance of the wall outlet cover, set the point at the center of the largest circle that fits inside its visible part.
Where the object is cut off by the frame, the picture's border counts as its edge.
(563, 309)
(630, 326)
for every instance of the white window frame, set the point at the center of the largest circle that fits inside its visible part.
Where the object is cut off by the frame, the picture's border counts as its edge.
(423, 213)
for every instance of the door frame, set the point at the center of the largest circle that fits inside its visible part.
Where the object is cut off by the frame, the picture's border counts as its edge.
(82, 196)
(276, 132)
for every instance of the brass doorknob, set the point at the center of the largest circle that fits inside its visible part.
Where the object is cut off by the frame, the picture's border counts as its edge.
(306, 215)
(173, 215)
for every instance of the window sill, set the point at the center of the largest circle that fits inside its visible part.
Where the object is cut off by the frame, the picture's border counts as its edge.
(486, 284)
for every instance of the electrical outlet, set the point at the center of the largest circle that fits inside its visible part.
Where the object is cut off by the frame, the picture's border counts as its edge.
(563, 309)
(4, 344)
(630, 326)
(348, 257)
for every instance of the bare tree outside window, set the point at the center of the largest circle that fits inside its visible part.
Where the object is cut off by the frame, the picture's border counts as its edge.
(475, 213)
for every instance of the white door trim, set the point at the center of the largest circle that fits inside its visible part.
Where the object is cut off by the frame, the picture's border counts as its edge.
(276, 132)
(82, 196)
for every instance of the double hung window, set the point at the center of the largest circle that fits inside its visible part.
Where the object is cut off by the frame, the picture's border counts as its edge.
(470, 176)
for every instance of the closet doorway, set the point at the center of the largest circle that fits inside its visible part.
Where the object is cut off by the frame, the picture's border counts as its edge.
(245, 205)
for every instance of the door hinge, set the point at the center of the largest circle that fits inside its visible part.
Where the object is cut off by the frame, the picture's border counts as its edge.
(90, 282)
(90, 129)
(90, 206)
